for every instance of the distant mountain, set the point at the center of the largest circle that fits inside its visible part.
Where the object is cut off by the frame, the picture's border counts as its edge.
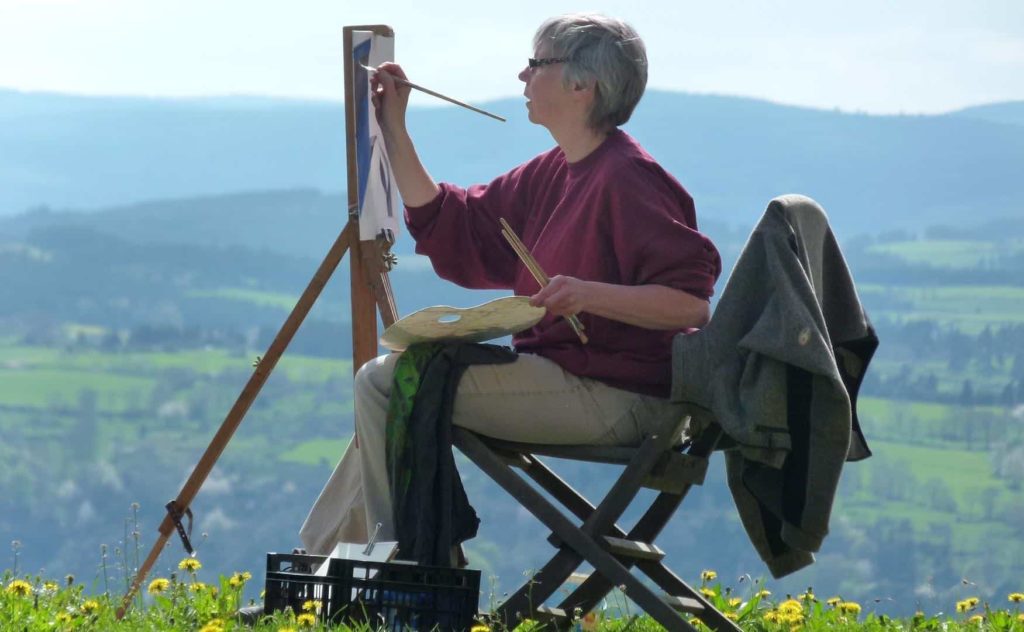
(871, 172)
(1010, 112)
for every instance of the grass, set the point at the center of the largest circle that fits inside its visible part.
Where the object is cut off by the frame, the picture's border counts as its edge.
(892, 411)
(949, 382)
(47, 370)
(254, 297)
(15, 356)
(273, 300)
(183, 601)
(946, 253)
(964, 472)
(316, 452)
(41, 387)
(967, 307)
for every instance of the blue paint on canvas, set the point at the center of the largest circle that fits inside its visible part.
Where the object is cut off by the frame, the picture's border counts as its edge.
(361, 57)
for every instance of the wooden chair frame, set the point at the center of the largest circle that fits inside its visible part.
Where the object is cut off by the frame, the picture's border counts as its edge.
(657, 463)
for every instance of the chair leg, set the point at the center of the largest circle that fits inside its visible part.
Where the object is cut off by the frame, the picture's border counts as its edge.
(597, 521)
(596, 587)
(647, 529)
(582, 542)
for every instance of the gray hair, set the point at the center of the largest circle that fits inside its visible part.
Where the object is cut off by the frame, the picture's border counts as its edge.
(602, 51)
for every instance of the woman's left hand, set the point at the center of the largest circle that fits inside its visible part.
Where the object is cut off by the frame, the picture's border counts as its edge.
(564, 296)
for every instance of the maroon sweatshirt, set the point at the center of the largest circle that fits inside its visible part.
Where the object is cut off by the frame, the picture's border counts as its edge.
(616, 217)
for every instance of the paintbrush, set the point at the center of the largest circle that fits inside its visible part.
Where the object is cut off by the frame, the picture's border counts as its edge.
(406, 82)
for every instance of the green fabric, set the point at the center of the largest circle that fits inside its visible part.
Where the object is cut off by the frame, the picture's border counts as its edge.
(406, 382)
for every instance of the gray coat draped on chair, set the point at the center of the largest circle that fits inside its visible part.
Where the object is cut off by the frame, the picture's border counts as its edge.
(779, 367)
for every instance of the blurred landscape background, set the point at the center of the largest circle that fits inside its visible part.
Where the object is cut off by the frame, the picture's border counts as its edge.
(151, 248)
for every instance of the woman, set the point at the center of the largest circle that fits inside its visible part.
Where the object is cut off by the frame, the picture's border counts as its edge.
(616, 232)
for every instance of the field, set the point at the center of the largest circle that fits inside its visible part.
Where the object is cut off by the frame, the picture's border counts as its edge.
(967, 308)
(950, 253)
(96, 419)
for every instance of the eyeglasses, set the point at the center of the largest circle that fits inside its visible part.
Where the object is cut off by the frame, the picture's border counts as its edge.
(547, 61)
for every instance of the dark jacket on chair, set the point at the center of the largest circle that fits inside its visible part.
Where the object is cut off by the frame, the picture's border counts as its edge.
(778, 367)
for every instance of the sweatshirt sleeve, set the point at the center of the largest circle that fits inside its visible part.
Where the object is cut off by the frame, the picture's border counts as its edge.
(656, 216)
(459, 230)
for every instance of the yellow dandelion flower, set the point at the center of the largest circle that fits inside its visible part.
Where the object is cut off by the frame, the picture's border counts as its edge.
(791, 606)
(50, 586)
(306, 620)
(834, 601)
(286, 630)
(190, 564)
(19, 588)
(807, 596)
(708, 576)
(972, 602)
(795, 628)
(849, 607)
(246, 576)
(792, 618)
(63, 617)
(89, 607)
(771, 616)
(976, 619)
(215, 625)
(158, 586)
(197, 587)
(732, 616)
(1016, 597)
(708, 593)
(763, 593)
(312, 606)
(1020, 617)
(735, 601)
(236, 581)
(479, 627)
(962, 606)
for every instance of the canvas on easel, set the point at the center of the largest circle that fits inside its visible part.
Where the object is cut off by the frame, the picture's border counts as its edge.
(373, 202)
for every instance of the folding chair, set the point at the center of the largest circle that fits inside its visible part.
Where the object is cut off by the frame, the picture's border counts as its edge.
(660, 462)
(806, 341)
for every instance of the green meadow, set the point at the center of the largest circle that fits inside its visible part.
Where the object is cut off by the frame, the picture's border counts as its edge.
(950, 253)
(968, 308)
(96, 417)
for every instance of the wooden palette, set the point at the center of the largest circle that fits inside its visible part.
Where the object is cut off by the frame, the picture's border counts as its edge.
(493, 319)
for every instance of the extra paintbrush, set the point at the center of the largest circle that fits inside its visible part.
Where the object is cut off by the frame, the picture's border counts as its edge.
(538, 274)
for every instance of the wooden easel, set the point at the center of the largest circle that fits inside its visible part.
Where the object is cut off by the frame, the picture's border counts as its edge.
(369, 263)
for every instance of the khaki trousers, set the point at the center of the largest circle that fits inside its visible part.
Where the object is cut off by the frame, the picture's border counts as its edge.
(531, 400)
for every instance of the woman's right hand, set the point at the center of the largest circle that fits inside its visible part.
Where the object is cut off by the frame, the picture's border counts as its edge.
(390, 99)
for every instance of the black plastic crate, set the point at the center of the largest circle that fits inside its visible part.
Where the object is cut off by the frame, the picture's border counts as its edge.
(394, 595)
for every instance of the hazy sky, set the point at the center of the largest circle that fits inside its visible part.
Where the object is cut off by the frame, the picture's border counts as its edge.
(878, 56)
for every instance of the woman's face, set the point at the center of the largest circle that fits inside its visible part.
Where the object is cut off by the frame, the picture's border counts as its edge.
(548, 101)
